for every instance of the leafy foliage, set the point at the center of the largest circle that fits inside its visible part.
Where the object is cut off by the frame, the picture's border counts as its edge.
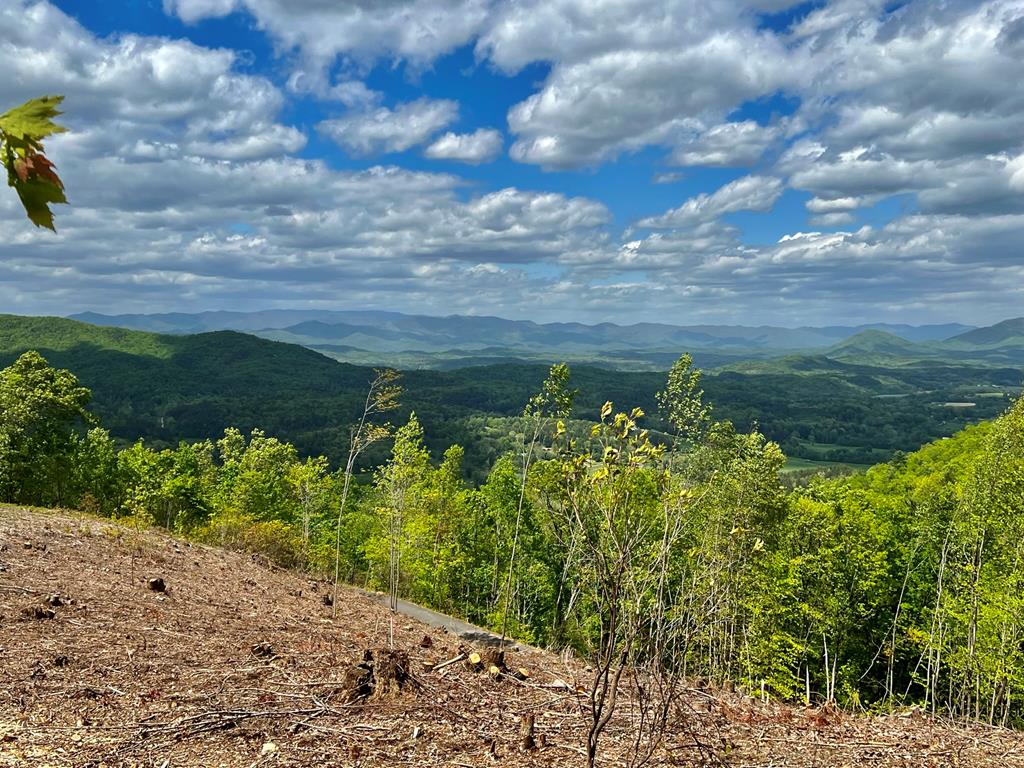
(29, 171)
(42, 428)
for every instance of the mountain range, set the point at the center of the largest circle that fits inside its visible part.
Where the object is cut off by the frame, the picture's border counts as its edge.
(854, 402)
(421, 341)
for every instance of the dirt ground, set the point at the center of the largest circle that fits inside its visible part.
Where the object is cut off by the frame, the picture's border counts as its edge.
(235, 663)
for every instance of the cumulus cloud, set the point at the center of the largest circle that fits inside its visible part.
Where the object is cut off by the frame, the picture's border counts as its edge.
(382, 129)
(141, 88)
(184, 193)
(750, 193)
(481, 146)
(728, 144)
(415, 30)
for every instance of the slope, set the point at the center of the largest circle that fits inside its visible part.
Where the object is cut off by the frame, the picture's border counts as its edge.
(237, 664)
(1001, 334)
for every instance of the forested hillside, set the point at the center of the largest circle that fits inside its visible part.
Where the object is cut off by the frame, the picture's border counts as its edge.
(169, 388)
(419, 341)
(900, 585)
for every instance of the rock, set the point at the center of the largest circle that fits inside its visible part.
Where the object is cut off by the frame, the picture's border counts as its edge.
(269, 748)
(263, 650)
(39, 612)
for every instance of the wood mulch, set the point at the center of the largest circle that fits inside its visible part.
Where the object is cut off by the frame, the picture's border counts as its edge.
(234, 663)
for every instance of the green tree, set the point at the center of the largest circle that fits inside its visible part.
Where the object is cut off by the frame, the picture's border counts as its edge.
(553, 402)
(400, 484)
(681, 403)
(381, 397)
(43, 425)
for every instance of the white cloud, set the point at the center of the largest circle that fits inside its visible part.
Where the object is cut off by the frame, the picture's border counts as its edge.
(391, 130)
(140, 88)
(481, 146)
(834, 205)
(321, 31)
(838, 219)
(749, 193)
(728, 144)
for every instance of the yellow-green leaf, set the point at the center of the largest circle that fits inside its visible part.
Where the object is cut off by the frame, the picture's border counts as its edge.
(33, 120)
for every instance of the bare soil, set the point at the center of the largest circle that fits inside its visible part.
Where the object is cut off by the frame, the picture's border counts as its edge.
(234, 663)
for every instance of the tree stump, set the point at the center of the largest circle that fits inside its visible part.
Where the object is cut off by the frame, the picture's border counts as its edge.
(526, 724)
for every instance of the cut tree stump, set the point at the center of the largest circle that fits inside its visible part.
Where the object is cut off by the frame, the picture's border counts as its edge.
(391, 673)
(527, 741)
(491, 659)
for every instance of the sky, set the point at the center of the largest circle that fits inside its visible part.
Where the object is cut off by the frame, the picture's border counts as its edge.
(681, 161)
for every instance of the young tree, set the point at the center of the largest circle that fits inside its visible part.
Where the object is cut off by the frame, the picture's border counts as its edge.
(381, 397)
(401, 482)
(681, 403)
(613, 497)
(29, 171)
(308, 481)
(553, 402)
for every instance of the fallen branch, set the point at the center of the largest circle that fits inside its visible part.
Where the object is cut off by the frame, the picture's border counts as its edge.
(445, 664)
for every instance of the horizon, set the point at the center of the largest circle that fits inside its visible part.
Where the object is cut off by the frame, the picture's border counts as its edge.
(453, 316)
(779, 163)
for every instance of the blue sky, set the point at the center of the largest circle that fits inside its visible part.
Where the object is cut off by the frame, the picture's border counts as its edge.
(756, 162)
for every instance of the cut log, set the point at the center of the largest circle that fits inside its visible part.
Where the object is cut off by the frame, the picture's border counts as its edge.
(263, 650)
(358, 682)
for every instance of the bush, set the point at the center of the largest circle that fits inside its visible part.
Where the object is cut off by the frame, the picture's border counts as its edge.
(273, 539)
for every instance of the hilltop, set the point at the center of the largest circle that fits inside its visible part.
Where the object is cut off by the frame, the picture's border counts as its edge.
(1004, 333)
(875, 344)
(236, 663)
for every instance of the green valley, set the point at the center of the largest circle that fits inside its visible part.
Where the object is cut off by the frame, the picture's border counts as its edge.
(167, 388)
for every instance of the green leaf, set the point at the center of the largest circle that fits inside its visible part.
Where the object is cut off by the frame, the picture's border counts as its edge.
(33, 120)
(36, 195)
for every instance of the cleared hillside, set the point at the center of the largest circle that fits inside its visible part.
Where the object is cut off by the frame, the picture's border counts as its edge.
(237, 664)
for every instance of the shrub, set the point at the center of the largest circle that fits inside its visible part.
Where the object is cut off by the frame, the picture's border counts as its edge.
(273, 539)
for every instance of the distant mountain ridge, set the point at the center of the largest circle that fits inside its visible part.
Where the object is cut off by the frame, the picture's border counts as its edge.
(373, 336)
(1008, 331)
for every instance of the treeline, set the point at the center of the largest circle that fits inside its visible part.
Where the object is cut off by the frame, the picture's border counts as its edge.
(682, 548)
